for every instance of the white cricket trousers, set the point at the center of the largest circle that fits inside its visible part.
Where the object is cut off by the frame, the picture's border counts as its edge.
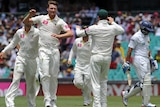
(82, 81)
(23, 66)
(99, 70)
(143, 70)
(49, 61)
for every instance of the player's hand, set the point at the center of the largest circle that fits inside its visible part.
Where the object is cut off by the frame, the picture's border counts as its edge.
(154, 64)
(126, 66)
(32, 12)
(56, 36)
(110, 20)
(69, 62)
(2, 55)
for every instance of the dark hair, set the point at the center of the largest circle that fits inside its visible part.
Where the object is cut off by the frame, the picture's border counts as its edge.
(52, 2)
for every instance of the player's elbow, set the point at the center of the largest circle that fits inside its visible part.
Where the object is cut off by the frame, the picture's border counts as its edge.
(80, 33)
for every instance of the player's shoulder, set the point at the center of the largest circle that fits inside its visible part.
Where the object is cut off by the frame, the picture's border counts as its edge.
(78, 39)
(136, 36)
(36, 30)
(20, 30)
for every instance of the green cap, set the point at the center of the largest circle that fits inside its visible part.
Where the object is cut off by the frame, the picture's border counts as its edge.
(102, 13)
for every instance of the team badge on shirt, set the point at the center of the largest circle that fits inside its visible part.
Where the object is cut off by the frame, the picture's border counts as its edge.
(66, 27)
(22, 36)
(45, 22)
(79, 44)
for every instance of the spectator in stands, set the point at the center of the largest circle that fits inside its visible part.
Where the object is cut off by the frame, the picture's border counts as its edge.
(93, 12)
(115, 58)
(77, 20)
(68, 18)
(120, 49)
(69, 72)
(119, 17)
(157, 56)
(3, 38)
(83, 12)
(65, 53)
(5, 71)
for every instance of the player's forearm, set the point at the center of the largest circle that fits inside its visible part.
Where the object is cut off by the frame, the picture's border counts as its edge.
(26, 19)
(129, 54)
(80, 33)
(8, 48)
(66, 35)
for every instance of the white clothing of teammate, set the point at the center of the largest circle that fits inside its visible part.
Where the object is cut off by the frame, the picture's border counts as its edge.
(81, 51)
(139, 42)
(50, 26)
(27, 38)
(102, 36)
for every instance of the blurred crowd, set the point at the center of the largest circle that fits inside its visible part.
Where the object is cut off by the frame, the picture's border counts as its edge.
(81, 15)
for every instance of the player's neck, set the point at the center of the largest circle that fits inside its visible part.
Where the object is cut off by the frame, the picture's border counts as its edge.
(52, 17)
(85, 39)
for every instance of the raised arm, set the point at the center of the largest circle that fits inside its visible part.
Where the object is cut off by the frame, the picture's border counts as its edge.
(27, 19)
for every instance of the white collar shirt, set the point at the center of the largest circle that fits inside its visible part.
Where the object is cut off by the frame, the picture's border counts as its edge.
(81, 51)
(48, 27)
(28, 43)
(140, 43)
(102, 36)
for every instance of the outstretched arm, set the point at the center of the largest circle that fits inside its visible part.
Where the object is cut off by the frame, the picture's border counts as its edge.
(69, 33)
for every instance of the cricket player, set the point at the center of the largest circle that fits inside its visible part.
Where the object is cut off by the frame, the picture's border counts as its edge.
(140, 44)
(27, 38)
(81, 51)
(50, 25)
(102, 36)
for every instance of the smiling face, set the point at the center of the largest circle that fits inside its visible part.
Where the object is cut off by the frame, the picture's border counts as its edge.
(52, 9)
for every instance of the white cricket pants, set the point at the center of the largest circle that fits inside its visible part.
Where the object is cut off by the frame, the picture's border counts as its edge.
(99, 70)
(49, 61)
(23, 66)
(143, 70)
(82, 81)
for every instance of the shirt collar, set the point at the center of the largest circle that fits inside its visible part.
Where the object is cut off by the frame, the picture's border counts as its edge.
(32, 29)
(103, 22)
(55, 18)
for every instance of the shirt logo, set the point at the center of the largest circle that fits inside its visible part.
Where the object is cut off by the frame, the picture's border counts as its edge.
(22, 36)
(45, 22)
(66, 27)
(79, 45)
(87, 29)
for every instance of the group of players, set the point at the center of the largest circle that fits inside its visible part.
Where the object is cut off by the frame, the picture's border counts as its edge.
(92, 49)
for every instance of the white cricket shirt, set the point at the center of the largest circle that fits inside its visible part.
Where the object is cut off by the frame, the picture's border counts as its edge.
(103, 36)
(48, 27)
(28, 43)
(140, 43)
(81, 50)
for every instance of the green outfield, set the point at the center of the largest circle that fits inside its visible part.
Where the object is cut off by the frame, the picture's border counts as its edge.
(76, 101)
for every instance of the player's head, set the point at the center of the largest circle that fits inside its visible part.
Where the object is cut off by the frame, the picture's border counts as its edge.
(146, 27)
(52, 8)
(102, 14)
(54, 2)
(27, 26)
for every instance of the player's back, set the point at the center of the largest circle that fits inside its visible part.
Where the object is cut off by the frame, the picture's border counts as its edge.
(103, 36)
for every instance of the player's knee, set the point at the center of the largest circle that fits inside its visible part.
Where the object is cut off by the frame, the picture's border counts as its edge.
(78, 84)
(139, 84)
(44, 77)
(147, 79)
